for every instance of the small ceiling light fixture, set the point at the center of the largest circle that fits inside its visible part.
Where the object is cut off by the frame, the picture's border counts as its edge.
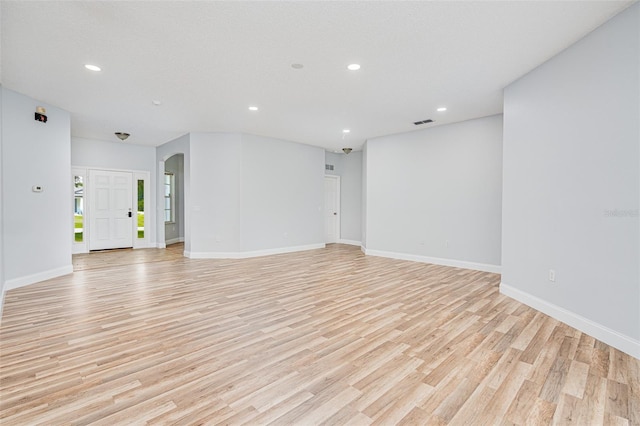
(353, 67)
(122, 135)
(346, 131)
(253, 108)
(156, 102)
(92, 67)
(297, 66)
(347, 150)
(441, 109)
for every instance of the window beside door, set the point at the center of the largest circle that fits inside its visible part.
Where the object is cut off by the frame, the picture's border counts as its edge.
(78, 208)
(140, 213)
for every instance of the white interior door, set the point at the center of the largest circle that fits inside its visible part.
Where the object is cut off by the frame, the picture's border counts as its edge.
(332, 208)
(111, 214)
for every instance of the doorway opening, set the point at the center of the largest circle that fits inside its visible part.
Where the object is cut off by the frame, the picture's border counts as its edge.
(110, 209)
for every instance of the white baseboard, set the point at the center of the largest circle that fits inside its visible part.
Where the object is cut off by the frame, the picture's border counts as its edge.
(144, 246)
(350, 242)
(248, 254)
(174, 241)
(40, 276)
(611, 337)
(161, 245)
(496, 269)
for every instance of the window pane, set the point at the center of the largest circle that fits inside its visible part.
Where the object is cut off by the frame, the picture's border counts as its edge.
(169, 202)
(78, 209)
(140, 208)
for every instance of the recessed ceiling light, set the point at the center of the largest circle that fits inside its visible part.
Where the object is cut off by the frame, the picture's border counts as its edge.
(346, 131)
(441, 109)
(354, 67)
(297, 66)
(92, 67)
(156, 102)
(253, 108)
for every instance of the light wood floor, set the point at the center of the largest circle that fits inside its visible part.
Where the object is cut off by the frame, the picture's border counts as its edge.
(326, 336)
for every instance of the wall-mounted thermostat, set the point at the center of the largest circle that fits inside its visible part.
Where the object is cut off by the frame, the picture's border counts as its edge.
(37, 188)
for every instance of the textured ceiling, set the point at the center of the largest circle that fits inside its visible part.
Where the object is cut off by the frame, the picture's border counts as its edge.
(208, 61)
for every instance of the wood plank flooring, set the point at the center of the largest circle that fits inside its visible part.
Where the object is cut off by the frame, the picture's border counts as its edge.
(326, 336)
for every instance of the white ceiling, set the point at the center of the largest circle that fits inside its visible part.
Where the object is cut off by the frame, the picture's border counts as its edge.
(208, 61)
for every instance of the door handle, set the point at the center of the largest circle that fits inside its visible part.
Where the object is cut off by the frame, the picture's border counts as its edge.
(130, 213)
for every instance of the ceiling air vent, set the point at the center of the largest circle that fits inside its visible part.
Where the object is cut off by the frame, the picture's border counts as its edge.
(417, 123)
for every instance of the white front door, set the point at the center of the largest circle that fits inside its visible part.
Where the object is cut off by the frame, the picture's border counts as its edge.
(110, 203)
(332, 208)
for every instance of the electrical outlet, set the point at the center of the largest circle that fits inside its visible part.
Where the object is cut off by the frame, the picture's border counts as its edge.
(552, 275)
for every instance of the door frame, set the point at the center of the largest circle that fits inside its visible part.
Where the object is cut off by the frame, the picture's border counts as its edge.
(136, 175)
(335, 178)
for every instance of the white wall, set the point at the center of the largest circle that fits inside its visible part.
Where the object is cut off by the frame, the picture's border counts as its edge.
(252, 195)
(282, 194)
(37, 226)
(349, 168)
(435, 195)
(174, 232)
(113, 155)
(215, 193)
(365, 192)
(1, 216)
(572, 184)
(181, 145)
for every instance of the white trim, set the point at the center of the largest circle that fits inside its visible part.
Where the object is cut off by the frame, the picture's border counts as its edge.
(144, 246)
(611, 337)
(248, 254)
(350, 242)
(110, 169)
(161, 245)
(174, 240)
(40, 276)
(496, 269)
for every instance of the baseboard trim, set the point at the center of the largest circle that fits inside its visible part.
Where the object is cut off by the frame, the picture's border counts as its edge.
(350, 242)
(35, 278)
(174, 241)
(144, 246)
(611, 337)
(248, 254)
(496, 269)
(161, 245)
